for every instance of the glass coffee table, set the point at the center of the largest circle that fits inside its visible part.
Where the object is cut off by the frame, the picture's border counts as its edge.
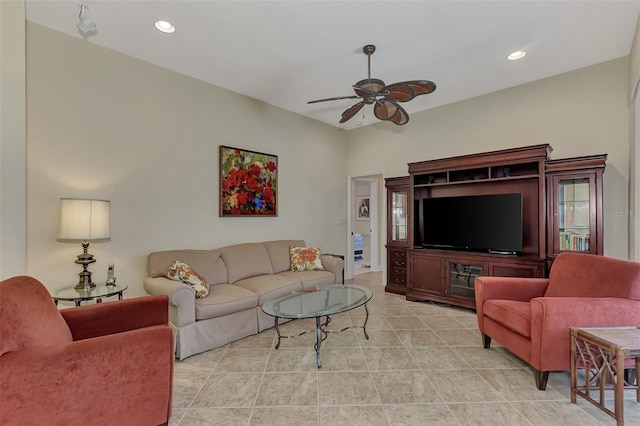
(318, 302)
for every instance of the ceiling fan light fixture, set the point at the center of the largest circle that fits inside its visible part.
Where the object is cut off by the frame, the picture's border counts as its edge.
(518, 54)
(165, 27)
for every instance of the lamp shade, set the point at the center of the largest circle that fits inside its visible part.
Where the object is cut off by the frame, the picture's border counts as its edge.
(84, 220)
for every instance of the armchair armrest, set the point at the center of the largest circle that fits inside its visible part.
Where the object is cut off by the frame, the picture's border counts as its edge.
(116, 317)
(59, 384)
(510, 288)
(335, 265)
(506, 288)
(182, 299)
(551, 318)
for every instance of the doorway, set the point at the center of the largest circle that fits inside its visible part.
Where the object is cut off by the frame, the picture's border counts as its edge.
(365, 224)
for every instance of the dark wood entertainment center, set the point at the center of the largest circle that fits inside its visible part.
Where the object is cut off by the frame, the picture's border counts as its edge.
(561, 211)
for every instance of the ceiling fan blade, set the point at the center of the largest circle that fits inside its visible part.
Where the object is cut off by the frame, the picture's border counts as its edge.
(389, 110)
(351, 111)
(368, 86)
(337, 98)
(407, 90)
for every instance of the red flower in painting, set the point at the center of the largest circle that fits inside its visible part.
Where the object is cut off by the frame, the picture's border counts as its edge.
(255, 170)
(268, 193)
(271, 166)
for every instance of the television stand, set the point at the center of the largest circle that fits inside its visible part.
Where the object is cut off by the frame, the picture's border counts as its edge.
(449, 276)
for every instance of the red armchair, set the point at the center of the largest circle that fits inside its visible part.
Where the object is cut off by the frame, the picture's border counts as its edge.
(531, 316)
(108, 363)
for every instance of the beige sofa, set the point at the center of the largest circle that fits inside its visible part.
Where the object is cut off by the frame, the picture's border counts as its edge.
(241, 277)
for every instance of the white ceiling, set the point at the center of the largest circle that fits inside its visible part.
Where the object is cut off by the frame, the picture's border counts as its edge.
(286, 53)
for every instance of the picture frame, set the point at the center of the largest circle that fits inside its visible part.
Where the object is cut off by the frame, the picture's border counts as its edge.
(362, 208)
(248, 183)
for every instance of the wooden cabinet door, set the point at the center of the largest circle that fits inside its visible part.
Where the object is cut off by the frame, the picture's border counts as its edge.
(426, 274)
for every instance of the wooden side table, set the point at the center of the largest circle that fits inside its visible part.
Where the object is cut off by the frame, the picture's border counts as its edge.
(601, 352)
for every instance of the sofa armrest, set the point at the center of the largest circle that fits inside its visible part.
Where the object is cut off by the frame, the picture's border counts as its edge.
(182, 299)
(119, 316)
(551, 318)
(59, 384)
(335, 265)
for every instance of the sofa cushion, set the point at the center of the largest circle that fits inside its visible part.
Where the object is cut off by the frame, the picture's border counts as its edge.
(305, 259)
(311, 278)
(269, 287)
(513, 314)
(589, 275)
(246, 260)
(28, 316)
(207, 262)
(225, 299)
(182, 272)
(279, 253)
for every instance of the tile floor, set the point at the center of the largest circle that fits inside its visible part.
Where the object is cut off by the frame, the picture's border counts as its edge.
(423, 365)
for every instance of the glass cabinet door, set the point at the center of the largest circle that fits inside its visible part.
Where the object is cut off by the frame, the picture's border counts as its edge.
(399, 216)
(573, 214)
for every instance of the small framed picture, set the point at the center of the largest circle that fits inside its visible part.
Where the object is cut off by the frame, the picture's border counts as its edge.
(362, 208)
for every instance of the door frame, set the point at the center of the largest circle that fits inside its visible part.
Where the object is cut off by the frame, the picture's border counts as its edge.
(377, 218)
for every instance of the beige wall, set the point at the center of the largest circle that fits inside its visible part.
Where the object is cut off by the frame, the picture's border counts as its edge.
(634, 148)
(101, 124)
(105, 125)
(12, 140)
(582, 112)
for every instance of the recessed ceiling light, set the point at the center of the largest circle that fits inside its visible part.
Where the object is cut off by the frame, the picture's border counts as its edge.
(165, 27)
(518, 54)
(358, 123)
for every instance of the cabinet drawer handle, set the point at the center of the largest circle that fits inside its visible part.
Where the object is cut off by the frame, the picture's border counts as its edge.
(398, 254)
(399, 263)
(399, 281)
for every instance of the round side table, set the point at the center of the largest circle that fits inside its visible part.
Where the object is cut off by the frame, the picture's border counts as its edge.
(97, 293)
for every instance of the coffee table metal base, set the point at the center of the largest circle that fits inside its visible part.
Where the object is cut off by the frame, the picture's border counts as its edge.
(322, 332)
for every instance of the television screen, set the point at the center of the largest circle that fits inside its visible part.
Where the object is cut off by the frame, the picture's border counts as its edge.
(482, 223)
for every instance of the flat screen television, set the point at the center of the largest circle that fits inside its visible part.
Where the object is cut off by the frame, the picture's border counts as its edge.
(479, 223)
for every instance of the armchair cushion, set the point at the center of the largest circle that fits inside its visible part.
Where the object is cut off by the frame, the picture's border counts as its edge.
(513, 314)
(25, 307)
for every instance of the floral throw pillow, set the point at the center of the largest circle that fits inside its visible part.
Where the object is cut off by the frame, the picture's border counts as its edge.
(305, 259)
(182, 272)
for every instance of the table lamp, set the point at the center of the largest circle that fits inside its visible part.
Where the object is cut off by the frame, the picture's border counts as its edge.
(85, 221)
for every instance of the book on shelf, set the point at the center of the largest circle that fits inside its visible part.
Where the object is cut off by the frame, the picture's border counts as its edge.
(570, 241)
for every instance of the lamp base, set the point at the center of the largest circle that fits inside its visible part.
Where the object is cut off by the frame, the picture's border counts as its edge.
(85, 259)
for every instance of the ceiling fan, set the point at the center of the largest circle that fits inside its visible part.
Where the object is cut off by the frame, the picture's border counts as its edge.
(385, 98)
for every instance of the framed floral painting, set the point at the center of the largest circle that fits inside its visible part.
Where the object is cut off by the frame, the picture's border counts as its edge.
(248, 183)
